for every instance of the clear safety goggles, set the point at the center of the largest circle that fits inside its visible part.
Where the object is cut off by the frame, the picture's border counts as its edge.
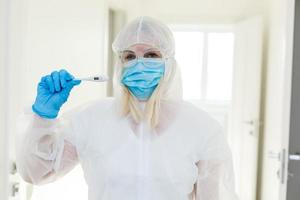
(129, 57)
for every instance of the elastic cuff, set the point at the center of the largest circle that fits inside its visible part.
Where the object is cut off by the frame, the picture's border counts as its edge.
(43, 115)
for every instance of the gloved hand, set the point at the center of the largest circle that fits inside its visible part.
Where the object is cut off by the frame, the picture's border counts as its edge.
(52, 92)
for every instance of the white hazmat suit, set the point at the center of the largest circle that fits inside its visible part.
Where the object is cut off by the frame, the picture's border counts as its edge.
(185, 157)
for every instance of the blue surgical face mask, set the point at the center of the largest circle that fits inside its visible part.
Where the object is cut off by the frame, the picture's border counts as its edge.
(142, 76)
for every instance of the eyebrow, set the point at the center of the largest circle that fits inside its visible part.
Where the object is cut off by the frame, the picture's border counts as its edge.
(154, 49)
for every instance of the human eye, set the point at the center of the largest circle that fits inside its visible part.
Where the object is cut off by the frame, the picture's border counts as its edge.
(153, 54)
(128, 56)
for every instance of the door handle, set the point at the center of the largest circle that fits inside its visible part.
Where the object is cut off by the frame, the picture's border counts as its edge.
(274, 155)
(294, 156)
(15, 188)
(13, 168)
(280, 157)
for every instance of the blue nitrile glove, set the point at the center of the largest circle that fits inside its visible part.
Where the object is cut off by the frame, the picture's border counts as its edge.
(52, 92)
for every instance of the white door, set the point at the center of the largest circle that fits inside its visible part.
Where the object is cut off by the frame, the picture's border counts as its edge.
(245, 112)
(278, 102)
(3, 62)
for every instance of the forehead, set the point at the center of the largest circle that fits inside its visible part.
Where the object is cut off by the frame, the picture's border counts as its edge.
(141, 47)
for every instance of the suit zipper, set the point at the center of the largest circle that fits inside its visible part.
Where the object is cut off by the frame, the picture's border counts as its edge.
(141, 164)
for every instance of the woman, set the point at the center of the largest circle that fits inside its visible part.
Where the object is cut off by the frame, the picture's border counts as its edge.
(147, 143)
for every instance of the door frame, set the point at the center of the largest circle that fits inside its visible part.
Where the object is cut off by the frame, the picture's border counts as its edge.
(4, 65)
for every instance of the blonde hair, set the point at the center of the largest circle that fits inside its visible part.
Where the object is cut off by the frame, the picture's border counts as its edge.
(151, 114)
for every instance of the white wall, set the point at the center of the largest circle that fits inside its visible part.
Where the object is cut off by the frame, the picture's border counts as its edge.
(191, 11)
(64, 34)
